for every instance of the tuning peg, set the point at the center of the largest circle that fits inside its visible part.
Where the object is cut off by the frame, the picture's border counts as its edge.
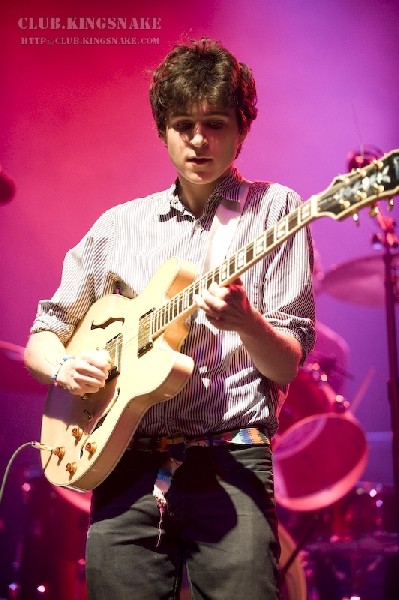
(379, 164)
(378, 188)
(360, 195)
(356, 218)
(373, 210)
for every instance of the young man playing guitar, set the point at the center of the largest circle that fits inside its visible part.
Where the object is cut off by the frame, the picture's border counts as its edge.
(193, 485)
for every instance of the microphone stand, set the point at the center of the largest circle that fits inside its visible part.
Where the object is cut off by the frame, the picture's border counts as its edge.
(389, 241)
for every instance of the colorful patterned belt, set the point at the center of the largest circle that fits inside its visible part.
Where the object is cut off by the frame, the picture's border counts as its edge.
(244, 435)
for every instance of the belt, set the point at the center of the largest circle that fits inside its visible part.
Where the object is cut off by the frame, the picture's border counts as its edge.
(243, 435)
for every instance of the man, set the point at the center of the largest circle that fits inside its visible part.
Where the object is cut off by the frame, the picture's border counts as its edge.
(195, 485)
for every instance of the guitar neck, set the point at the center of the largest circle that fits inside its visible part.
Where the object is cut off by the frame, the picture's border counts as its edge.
(183, 303)
(345, 196)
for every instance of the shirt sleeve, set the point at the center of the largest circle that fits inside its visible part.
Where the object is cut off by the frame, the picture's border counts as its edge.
(83, 281)
(288, 288)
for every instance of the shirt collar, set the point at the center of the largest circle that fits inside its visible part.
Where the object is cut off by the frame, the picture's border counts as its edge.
(227, 189)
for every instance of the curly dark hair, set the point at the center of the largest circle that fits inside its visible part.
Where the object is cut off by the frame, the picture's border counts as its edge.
(202, 70)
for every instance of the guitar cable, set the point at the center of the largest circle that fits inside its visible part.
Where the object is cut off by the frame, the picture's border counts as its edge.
(36, 445)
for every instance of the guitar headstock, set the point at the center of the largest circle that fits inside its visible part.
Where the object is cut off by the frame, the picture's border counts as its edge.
(361, 187)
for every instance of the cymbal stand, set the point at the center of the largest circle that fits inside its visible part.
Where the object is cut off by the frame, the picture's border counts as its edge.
(388, 240)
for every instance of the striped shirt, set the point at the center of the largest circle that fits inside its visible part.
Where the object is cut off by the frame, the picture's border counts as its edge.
(124, 249)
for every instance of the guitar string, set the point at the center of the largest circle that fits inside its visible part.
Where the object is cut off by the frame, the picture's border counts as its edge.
(158, 319)
(174, 309)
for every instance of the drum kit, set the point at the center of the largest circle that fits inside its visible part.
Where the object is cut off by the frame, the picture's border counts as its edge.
(320, 454)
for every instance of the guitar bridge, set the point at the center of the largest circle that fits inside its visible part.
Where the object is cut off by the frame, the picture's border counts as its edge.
(114, 348)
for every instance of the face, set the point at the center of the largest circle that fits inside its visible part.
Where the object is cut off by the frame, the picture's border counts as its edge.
(202, 143)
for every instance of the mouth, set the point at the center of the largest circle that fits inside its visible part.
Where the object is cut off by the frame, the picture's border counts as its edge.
(200, 161)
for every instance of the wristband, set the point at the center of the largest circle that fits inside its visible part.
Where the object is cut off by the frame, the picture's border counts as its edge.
(62, 361)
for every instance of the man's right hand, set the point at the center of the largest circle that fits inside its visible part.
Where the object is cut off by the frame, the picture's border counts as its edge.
(85, 374)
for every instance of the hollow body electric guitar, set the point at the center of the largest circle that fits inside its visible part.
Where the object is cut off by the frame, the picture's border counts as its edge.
(86, 436)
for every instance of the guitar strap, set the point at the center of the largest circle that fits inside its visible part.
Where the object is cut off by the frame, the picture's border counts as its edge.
(223, 228)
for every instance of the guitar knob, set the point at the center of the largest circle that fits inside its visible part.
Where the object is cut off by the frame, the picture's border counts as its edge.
(77, 433)
(59, 451)
(91, 448)
(71, 468)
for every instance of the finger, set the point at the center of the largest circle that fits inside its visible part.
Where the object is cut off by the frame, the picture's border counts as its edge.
(100, 359)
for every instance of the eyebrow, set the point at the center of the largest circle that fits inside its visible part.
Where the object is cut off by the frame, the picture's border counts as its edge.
(218, 113)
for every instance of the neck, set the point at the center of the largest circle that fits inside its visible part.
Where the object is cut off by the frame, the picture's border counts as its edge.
(195, 197)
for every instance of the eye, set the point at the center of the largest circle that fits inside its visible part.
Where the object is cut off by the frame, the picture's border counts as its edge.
(215, 124)
(182, 125)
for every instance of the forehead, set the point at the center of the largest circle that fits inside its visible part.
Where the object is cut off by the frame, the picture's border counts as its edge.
(201, 110)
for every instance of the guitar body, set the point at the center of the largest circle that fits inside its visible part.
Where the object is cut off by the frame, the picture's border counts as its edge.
(89, 435)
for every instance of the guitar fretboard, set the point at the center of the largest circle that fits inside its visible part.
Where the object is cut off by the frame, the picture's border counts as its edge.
(344, 197)
(183, 303)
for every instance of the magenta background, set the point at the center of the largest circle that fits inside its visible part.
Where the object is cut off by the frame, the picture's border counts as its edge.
(77, 137)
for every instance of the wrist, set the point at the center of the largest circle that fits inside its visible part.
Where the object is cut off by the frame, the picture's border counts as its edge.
(252, 325)
(61, 362)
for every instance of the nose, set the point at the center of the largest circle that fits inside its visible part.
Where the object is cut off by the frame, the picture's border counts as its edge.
(198, 138)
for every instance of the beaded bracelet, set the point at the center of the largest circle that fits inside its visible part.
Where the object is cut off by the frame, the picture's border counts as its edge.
(62, 361)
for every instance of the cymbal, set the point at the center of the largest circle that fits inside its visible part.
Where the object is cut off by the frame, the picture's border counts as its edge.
(360, 280)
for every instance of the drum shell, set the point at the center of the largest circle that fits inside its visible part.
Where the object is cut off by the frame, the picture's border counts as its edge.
(53, 548)
(318, 460)
(308, 395)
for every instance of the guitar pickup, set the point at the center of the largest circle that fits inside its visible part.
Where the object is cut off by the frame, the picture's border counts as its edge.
(145, 342)
(114, 348)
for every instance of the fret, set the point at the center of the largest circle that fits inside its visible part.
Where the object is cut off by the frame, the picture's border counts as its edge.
(232, 268)
(173, 306)
(281, 229)
(305, 210)
(155, 322)
(186, 299)
(250, 253)
(162, 317)
(270, 238)
(293, 220)
(210, 278)
(223, 271)
(259, 245)
(159, 319)
(240, 259)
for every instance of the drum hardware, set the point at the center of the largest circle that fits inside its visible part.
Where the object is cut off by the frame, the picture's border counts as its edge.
(350, 543)
(373, 280)
(50, 557)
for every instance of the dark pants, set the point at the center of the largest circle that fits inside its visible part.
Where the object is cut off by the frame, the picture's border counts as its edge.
(220, 520)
